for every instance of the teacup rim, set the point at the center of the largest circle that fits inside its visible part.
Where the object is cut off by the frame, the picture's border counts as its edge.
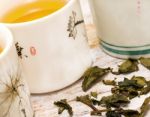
(9, 40)
(70, 2)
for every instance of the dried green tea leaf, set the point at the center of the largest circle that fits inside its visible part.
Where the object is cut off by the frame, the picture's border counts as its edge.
(109, 82)
(145, 107)
(132, 93)
(146, 89)
(140, 80)
(127, 67)
(130, 113)
(61, 110)
(87, 101)
(113, 114)
(92, 76)
(94, 94)
(145, 62)
(119, 112)
(132, 88)
(115, 100)
(116, 90)
(63, 105)
(129, 92)
(130, 83)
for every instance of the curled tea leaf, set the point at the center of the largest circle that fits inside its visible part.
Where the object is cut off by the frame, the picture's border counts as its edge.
(115, 100)
(130, 83)
(127, 67)
(146, 89)
(92, 76)
(145, 62)
(129, 92)
(140, 80)
(109, 82)
(145, 107)
(63, 105)
(87, 101)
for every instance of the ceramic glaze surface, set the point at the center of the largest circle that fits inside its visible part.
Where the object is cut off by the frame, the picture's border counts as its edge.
(123, 26)
(53, 50)
(14, 92)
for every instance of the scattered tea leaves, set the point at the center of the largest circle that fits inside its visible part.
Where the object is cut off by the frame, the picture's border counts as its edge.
(122, 91)
(145, 62)
(63, 105)
(109, 82)
(92, 76)
(131, 88)
(145, 107)
(126, 67)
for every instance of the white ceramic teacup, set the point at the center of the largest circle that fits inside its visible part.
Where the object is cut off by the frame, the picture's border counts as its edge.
(14, 92)
(53, 50)
(123, 26)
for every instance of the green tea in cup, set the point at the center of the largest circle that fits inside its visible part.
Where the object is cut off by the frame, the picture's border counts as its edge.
(32, 10)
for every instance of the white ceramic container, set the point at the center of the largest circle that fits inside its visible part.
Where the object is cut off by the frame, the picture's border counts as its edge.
(123, 26)
(14, 92)
(54, 49)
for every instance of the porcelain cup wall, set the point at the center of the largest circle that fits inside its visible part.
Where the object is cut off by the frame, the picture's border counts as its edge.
(54, 51)
(123, 26)
(14, 92)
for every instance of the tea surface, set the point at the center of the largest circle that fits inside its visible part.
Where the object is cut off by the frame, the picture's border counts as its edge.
(31, 11)
(1, 49)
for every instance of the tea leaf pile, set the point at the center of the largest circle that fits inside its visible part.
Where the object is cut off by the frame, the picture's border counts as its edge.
(132, 88)
(122, 92)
